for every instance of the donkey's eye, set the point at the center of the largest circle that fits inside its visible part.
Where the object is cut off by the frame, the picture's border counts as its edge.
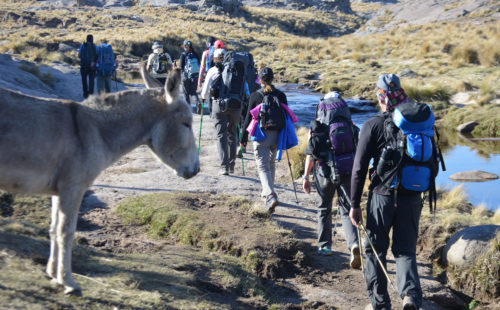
(187, 125)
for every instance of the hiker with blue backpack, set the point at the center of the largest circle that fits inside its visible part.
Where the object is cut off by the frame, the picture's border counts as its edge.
(405, 157)
(190, 66)
(105, 67)
(88, 60)
(330, 154)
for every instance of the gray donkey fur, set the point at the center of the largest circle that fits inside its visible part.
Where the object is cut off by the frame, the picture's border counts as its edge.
(59, 147)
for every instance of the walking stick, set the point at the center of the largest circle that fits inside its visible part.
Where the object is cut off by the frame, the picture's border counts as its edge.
(361, 251)
(378, 258)
(201, 122)
(291, 174)
(241, 151)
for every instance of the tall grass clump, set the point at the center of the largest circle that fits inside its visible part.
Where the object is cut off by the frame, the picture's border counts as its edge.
(429, 92)
(297, 156)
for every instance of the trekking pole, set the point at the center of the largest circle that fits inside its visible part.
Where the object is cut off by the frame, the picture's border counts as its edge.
(201, 122)
(241, 152)
(291, 174)
(361, 251)
(378, 258)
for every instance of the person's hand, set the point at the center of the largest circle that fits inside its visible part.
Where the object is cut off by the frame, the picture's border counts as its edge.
(355, 216)
(306, 185)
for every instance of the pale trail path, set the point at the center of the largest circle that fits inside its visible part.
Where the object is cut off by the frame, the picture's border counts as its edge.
(330, 280)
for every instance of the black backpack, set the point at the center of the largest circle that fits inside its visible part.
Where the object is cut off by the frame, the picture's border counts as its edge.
(272, 115)
(88, 55)
(411, 156)
(250, 74)
(231, 85)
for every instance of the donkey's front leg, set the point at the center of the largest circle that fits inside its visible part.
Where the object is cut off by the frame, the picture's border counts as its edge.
(52, 264)
(70, 201)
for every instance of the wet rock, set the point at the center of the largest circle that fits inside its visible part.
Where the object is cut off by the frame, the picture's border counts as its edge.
(473, 176)
(467, 245)
(467, 127)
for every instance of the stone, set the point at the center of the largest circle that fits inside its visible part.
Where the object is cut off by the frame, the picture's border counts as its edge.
(473, 176)
(467, 127)
(467, 245)
(63, 48)
(408, 73)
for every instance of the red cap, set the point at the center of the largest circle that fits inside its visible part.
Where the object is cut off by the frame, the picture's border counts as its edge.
(218, 44)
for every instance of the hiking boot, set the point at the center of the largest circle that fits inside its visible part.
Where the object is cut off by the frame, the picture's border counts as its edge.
(231, 170)
(355, 261)
(409, 304)
(223, 171)
(325, 250)
(271, 203)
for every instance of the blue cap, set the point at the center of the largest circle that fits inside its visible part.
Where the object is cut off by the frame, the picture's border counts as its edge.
(388, 82)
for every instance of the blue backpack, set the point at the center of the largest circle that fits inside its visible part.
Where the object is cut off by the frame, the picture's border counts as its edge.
(210, 55)
(105, 60)
(192, 66)
(410, 159)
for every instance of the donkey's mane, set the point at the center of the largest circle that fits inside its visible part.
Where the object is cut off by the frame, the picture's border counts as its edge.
(126, 103)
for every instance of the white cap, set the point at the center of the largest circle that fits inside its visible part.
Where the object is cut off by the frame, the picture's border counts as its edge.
(332, 94)
(219, 53)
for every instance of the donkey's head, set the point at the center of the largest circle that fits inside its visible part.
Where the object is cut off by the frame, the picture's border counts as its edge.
(172, 138)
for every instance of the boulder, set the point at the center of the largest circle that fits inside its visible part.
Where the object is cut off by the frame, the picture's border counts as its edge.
(407, 73)
(467, 245)
(228, 6)
(473, 176)
(467, 127)
(63, 48)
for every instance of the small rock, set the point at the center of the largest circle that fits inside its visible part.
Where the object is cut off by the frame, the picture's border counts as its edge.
(473, 176)
(467, 245)
(408, 73)
(467, 127)
(63, 48)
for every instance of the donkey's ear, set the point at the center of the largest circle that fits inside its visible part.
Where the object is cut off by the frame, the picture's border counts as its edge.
(172, 85)
(148, 80)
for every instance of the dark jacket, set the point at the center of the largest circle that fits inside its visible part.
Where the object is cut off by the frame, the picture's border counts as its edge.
(256, 99)
(370, 145)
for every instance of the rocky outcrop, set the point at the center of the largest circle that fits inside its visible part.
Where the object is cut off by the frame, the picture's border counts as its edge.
(467, 127)
(473, 176)
(467, 245)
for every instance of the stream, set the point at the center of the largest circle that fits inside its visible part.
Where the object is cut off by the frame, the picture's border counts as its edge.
(458, 156)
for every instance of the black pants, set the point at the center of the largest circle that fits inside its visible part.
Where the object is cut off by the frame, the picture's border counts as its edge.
(88, 77)
(189, 86)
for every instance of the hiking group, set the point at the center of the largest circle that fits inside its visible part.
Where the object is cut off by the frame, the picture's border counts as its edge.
(398, 143)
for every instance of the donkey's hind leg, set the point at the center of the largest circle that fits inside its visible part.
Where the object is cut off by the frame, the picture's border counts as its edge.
(52, 264)
(70, 200)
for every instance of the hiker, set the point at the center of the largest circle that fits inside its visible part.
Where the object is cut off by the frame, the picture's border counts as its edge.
(190, 66)
(88, 59)
(332, 138)
(391, 201)
(253, 85)
(225, 86)
(205, 60)
(266, 149)
(159, 63)
(105, 67)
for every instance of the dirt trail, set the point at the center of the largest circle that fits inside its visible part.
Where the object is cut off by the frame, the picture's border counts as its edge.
(329, 279)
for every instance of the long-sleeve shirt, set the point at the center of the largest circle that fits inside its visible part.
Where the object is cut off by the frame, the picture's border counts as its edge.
(255, 99)
(212, 75)
(370, 145)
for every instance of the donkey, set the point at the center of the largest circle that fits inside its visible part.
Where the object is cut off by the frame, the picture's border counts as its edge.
(58, 147)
